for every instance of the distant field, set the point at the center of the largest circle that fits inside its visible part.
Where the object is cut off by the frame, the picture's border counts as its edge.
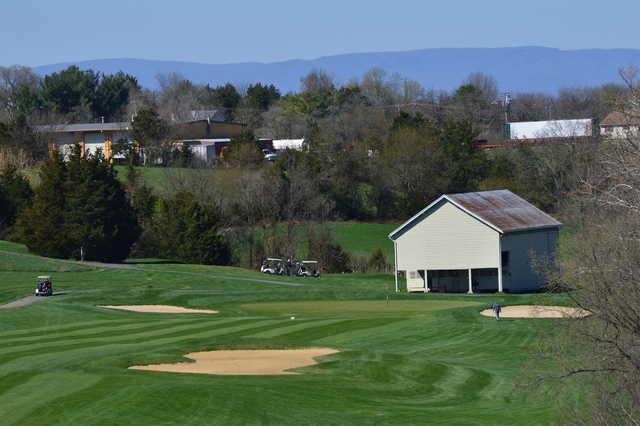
(362, 239)
(417, 359)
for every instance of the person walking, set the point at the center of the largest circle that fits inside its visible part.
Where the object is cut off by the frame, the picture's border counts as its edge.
(496, 309)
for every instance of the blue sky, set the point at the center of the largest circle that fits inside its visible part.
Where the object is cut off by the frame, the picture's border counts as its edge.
(43, 32)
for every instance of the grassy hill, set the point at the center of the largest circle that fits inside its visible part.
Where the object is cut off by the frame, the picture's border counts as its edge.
(429, 359)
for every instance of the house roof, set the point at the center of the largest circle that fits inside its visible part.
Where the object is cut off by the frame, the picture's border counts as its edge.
(501, 210)
(84, 127)
(617, 118)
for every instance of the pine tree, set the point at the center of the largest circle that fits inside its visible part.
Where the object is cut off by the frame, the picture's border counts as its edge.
(80, 210)
(41, 226)
(188, 230)
(100, 223)
(15, 196)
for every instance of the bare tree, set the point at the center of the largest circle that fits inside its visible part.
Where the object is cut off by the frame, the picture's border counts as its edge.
(601, 264)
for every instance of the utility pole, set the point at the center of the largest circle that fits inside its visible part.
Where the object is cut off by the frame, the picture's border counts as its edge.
(507, 106)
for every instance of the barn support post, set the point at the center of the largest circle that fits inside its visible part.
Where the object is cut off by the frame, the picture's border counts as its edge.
(470, 283)
(500, 264)
(426, 281)
(395, 265)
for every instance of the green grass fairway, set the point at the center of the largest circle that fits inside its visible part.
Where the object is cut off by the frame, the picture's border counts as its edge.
(373, 308)
(421, 359)
(362, 239)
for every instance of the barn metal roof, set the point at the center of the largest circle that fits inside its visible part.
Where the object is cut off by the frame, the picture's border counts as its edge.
(501, 210)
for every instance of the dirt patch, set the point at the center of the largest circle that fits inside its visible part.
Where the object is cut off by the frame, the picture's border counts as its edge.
(243, 362)
(160, 309)
(537, 311)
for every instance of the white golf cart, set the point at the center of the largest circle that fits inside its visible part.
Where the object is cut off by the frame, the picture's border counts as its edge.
(308, 268)
(44, 286)
(272, 266)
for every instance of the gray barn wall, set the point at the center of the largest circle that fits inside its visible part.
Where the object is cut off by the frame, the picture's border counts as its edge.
(521, 275)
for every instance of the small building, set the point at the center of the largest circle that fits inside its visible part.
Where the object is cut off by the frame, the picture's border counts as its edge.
(208, 137)
(548, 131)
(475, 242)
(90, 136)
(620, 125)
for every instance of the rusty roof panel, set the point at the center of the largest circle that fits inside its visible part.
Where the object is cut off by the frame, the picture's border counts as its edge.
(504, 210)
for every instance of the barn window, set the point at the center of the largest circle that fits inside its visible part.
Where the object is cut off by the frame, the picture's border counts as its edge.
(412, 275)
(505, 259)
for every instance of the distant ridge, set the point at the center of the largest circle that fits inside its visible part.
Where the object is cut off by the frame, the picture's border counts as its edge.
(518, 69)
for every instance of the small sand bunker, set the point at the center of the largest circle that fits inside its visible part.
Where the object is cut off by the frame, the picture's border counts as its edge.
(537, 311)
(161, 309)
(243, 362)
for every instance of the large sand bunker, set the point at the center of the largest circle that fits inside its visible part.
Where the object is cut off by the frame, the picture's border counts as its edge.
(537, 311)
(161, 309)
(243, 362)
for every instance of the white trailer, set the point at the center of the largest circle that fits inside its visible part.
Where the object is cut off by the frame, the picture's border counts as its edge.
(550, 129)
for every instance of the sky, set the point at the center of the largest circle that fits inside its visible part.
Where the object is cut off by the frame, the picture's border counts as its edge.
(212, 31)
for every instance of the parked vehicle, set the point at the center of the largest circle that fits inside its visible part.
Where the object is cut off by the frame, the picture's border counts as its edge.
(44, 286)
(308, 268)
(270, 154)
(272, 266)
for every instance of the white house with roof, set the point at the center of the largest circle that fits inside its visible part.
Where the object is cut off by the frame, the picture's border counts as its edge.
(475, 242)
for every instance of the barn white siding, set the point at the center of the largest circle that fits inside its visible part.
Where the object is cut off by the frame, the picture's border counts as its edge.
(448, 238)
(523, 247)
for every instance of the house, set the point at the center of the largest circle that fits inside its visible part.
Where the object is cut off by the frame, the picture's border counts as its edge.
(90, 136)
(475, 242)
(620, 125)
(94, 136)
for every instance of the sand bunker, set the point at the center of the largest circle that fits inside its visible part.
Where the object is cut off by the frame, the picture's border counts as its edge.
(243, 362)
(537, 311)
(161, 309)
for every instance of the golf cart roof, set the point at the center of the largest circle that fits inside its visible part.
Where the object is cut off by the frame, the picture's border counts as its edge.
(274, 259)
(309, 261)
(44, 277)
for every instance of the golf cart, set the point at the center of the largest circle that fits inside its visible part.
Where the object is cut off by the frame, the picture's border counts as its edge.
(44, 287)
(308, 268)
(272, 266)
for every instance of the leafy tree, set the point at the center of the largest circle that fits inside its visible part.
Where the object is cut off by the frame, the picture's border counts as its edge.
(189, 231)
(28, 99)
(405, 120)
(244, 152)
(324, 248)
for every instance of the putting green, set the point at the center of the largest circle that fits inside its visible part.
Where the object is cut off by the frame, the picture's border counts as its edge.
(358, 308)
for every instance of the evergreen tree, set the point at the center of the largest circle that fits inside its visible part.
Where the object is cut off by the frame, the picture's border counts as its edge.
(188, 230)
(466, 162)
(79, 210)
(41, 226)
(100, 223)
(15, 196)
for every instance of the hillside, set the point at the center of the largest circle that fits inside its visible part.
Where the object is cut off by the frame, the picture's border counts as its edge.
(518, 69)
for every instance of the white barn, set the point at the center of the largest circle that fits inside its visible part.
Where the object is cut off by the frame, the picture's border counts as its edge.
(475, 242)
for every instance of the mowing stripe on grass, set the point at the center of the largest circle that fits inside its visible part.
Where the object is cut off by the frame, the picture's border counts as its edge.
(88, 333)
(169, 330)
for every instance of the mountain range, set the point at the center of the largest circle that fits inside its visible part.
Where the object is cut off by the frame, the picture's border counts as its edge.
(517, 69)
